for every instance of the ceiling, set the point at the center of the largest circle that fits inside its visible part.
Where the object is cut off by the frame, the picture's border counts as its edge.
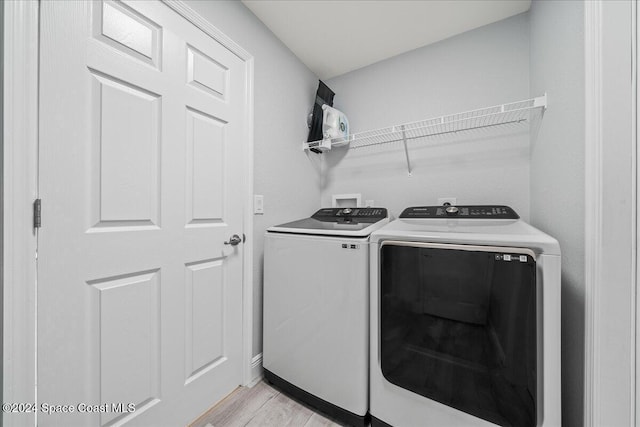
(333, 37)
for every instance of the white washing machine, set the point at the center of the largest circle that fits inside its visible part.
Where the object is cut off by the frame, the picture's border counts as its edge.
(465, 320)
(316, 309)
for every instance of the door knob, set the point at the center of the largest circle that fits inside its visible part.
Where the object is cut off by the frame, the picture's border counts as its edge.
(234, 240)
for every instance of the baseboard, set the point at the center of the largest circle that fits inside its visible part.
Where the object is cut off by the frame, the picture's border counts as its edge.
(256, 370)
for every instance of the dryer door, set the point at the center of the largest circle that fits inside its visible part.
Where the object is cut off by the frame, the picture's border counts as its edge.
(458, 325)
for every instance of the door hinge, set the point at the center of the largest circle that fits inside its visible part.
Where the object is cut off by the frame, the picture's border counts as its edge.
(37, 213)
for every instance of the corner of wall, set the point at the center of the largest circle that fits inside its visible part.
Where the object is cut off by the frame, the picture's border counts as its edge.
(483, 67)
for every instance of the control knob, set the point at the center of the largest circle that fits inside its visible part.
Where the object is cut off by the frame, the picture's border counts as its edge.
(346, 211)
(451, 210)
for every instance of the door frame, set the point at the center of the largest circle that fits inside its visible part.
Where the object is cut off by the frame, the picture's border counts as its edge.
(19, 170)
(635, 203)
(612, 361)
(19, 149)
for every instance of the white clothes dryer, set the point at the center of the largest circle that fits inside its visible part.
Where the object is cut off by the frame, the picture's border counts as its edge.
(465, 320)
(316, 310)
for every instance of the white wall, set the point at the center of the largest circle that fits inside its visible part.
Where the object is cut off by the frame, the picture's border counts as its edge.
(558, 172)
(284, 93)
(480, 68)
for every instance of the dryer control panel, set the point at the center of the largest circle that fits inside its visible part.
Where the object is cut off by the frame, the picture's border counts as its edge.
(466, 212)
(350, 214)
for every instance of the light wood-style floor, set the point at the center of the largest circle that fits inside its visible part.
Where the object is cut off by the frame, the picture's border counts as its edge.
(261, 406)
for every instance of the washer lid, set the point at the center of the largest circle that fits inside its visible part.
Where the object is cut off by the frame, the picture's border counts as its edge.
(495, 232)
(355, 222)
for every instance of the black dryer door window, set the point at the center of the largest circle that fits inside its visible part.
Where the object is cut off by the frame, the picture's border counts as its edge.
(458, 325)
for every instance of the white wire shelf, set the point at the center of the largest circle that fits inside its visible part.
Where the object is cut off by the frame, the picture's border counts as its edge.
(499, 115)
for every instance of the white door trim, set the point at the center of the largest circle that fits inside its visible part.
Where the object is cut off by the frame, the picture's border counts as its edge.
(19, 149)
(593, 207)
(247, 277)
(600, 347)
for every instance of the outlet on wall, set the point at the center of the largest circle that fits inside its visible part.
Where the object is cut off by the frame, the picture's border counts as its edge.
(452, 200)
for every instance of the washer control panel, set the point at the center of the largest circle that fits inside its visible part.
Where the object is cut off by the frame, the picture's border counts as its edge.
(466, 212)
(350, 214)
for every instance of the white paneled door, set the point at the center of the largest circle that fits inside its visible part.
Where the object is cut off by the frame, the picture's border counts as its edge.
(142, 117)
